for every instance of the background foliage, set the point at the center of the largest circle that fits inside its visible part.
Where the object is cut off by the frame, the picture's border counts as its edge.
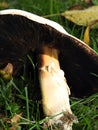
(16, 95)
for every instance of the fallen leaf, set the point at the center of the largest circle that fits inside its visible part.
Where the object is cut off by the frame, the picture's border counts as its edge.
(4, 5)
(86, 38)
(16, 118)
(15, 127)
(14, 122)
(82, 17)
(76, 7)
(88, 1)
(6, 73)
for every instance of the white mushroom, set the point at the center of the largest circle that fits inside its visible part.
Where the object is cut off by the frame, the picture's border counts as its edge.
(59, 55)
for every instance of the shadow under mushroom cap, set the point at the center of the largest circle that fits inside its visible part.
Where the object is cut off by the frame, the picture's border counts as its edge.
(21, 32)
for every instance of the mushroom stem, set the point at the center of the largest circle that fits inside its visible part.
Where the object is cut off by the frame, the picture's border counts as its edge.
(48, 56)
(55, 91)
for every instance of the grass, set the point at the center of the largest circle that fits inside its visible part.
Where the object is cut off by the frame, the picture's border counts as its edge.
(16, 95)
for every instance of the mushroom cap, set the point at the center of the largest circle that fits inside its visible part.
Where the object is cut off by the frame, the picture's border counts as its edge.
(21, 31)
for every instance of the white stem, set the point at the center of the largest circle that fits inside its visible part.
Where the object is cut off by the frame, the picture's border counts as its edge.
(55, 91)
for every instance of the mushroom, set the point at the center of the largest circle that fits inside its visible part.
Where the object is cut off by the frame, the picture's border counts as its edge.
(59, 55)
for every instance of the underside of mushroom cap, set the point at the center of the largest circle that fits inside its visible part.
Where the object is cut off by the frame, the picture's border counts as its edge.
(21, 32)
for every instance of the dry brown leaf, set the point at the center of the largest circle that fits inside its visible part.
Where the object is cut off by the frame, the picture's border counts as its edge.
(82, 17)
(76, 7)
(15, 127)
(4, 5)
(16, 118)
(14, 122)
(88, 1)
(6, 73)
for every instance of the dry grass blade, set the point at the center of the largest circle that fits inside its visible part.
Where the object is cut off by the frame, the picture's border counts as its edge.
(86, 38)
